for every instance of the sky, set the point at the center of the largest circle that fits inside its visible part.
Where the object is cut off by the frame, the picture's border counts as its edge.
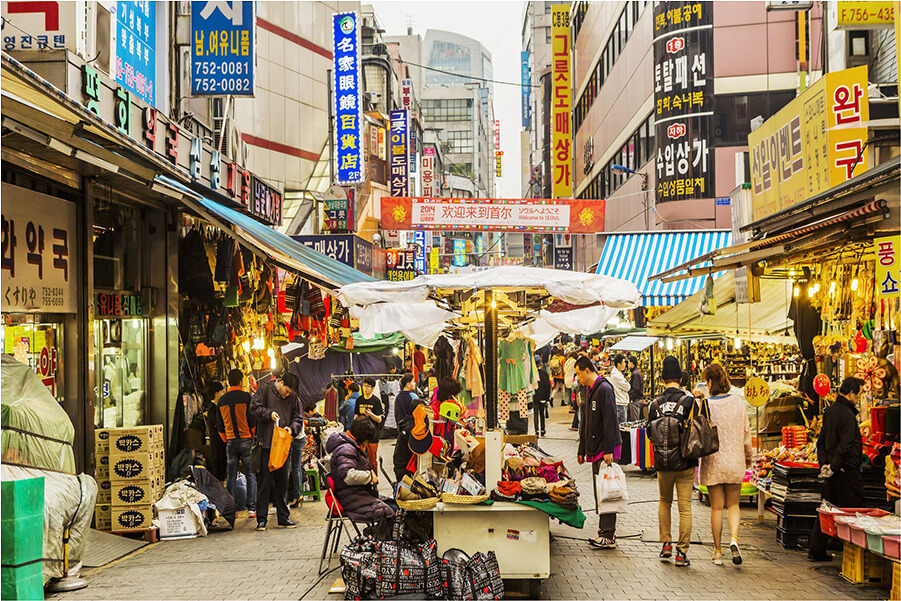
(497, 25)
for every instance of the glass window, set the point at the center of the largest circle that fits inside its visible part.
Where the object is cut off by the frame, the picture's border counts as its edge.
(36, 340)
(547, 7)
(547, 35)
(117, 247)
(121, 365)
(459, 142)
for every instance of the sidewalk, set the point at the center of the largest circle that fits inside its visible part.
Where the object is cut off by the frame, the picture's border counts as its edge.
(282, 564)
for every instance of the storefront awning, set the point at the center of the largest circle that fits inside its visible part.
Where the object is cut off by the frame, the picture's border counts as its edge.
(281, 249)
(634, 344)
(636, 257)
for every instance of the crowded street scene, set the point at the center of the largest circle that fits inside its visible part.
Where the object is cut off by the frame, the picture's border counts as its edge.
(450, 299)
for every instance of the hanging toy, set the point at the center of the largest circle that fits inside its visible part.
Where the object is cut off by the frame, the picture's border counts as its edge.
(822, 385)
(860, 343)
(872, 375)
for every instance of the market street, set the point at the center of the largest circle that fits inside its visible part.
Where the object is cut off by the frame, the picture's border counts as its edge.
(282, 564)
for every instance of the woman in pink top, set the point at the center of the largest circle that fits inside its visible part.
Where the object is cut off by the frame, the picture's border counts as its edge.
(722, 473)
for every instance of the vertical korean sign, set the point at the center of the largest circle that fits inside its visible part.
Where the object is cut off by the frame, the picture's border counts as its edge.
(135, 48)
(398, 150)
(526, 88)
(683, 99)
(429, 187)
(348, 98)
(888, 267)
(222, 48)
(498, 153)
(561, 104)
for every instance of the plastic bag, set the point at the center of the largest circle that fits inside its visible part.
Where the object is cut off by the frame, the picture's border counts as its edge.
(611, 484)
(281, 448)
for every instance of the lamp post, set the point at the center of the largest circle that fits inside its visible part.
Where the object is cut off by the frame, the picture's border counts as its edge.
(644, 188)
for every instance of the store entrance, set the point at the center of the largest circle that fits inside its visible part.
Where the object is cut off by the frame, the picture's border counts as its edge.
(121, 364)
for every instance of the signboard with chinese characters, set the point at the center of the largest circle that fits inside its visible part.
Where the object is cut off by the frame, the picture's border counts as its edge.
(869, 14)
(888, 267)
(429, 183)
(40, 26)
(563, 259)
(135, 48)
(406, 94)
(526, 89)
(400, 265)
(488, 214)
(39, 271)
(222, 48)
(339, 208)
(683, 99)
(561, 104)
(434, 260)
(348, 98)
(398, 148)
(797, 154)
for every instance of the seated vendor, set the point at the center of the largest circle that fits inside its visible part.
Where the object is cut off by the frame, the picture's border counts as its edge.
(354, 479)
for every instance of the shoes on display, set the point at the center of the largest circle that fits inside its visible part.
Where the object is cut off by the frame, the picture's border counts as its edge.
(261, 526)
(681, 559)
(736, 552)
(717, 558)
(602, 542)
(667, 551)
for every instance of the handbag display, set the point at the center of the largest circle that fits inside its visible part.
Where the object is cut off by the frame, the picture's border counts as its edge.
(699, 436)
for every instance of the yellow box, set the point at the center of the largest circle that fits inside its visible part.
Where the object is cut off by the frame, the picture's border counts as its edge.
(136, 466)
(103, 515)
(859, 566)
(101, 472)
(134, 492)
(132, 517)
(104, 492)
(101, 440)
(140, 439)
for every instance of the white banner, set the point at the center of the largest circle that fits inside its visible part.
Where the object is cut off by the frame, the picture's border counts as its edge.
(508, 215)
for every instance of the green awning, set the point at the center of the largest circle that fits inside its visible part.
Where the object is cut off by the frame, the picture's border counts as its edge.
(381, 342)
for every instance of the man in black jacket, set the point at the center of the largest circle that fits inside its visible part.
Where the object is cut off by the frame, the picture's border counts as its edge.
(275, 401)
(403, 411)
(839, 450)
(636, 390)
(541, 398)
(598, 438)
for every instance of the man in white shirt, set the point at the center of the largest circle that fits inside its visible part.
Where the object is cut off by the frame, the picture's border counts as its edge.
(620, 386)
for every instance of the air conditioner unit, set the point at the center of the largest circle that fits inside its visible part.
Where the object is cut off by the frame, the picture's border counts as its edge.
(100, 35)
(237, 147)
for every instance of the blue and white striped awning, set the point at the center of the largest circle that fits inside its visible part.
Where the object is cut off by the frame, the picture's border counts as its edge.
(636, 257)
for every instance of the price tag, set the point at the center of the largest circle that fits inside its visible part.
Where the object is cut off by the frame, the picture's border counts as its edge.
(757, 392)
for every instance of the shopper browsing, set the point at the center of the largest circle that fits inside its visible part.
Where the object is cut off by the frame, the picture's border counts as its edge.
(403, 415)
(275, 401)
(370, 405)
(621, 387)
(541, 398)
(569, 377)
(666, 416)
(723, 472)
(636, 390)
(839, 450)
(348, 408)
(598, 438)
(236, 429)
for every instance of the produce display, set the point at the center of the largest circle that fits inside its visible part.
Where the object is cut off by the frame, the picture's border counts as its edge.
(763, 464)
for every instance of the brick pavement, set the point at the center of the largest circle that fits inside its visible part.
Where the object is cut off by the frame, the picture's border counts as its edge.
(282, 564)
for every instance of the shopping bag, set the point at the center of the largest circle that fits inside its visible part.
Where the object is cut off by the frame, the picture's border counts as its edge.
(699, 436)
(281, 447)
(611, 484)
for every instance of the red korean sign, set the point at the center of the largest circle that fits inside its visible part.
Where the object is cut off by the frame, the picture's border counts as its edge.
(490, 214)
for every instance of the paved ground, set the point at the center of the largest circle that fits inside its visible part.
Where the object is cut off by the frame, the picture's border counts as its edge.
(282, 564)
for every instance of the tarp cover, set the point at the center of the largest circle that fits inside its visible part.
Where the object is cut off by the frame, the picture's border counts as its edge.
(65, 496)
(36, 430)
(421, 322)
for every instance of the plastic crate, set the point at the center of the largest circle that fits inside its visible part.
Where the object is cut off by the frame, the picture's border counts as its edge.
(859, 566)
(858, 536)
(795, 523)
(22, 524)
(843, 530)
(874, 541)
(793, 539)
(892, 546)
(895, 594)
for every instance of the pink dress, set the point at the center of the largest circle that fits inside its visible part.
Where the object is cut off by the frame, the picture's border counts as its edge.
(728, 465)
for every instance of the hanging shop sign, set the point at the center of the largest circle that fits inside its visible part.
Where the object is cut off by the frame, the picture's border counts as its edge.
(419, 248)
(747, 286)
(797, 154)
(888, 267)
(339, 208)
(414, 150)
(398, 149)
(459, 252)
(348, 97)
(427, 175)
(489, 214)
(265, 202)
(563, 259)
(119, 304)
(561, 104)
(434, 260)
(223, 49)
(683, 99)
(526, 89)
(346, 248)
(39, 275)
(400, 265)
(135, 48)
(869, 14)
(498, 163)
(406, 94)
(379, 262)
(757, 392)
(40, 26)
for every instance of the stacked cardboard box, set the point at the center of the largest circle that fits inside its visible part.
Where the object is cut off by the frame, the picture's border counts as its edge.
(130, 476)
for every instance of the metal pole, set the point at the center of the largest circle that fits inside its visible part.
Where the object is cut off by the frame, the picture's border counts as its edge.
(331, 131)
(490, 354)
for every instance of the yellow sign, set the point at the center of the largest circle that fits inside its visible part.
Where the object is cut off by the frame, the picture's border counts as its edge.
(811, 144)
(433, 260)
(561, 104)
(757, 392)
(865, 15)
(888, 267)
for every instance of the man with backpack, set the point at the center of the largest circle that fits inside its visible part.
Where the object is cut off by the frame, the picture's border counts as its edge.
(666, 417)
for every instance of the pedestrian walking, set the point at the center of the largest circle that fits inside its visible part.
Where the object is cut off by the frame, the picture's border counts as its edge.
(839, 450)
(275, 401)
(723, 472)
(666, 416)
(621, 387)
(235, 427)
(636, 390)
(569, 377)
(598, 438)
(403, 415)
(541, 398)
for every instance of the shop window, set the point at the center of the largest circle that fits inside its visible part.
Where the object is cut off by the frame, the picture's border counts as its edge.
(117, 244)
(121, 366)
(36, 340)
(733, 114)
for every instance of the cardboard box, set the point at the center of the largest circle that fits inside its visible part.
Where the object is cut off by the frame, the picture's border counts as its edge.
(177, 523)
(135, 492)
(103, 514)
(104, 492)
(101, 440)
(139, 439)
(132, 517)
(136, 466)
(101, 471)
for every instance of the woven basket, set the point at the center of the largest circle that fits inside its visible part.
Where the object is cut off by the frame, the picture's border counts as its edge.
(418, 504)
(463, 499)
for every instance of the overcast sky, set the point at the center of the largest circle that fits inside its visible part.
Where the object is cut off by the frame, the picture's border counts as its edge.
(497, 25)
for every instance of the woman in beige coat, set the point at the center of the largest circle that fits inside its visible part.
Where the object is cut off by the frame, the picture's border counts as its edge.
(722, 472)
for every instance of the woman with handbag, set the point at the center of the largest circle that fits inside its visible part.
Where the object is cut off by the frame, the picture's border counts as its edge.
(723, 471)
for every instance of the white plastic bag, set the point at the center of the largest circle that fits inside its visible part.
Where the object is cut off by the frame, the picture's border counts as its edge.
(611, 484)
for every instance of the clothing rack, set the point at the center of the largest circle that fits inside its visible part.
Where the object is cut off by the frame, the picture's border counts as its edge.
(357, 376)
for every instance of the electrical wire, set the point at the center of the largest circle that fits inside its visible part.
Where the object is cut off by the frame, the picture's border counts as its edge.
(452, 74)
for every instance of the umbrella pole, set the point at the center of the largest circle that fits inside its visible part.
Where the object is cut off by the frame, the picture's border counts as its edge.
(490, 355)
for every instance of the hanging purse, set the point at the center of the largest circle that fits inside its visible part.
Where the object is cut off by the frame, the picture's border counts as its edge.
(218, 333)
(699, 437)
(304, 298)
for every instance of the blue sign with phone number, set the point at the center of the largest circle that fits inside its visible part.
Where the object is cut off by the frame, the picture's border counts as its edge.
(222, 48)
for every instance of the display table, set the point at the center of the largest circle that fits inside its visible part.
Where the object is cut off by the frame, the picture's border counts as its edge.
(518, 534)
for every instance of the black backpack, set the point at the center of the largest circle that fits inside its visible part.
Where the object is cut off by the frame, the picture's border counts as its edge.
(665, 436)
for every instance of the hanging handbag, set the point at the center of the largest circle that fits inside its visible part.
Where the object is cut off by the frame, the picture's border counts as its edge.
(218, 333)
(699, 437)
(304, 298)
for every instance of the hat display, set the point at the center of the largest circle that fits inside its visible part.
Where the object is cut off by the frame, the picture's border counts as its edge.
(671, 369)
(451, 410)
(421, 438)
